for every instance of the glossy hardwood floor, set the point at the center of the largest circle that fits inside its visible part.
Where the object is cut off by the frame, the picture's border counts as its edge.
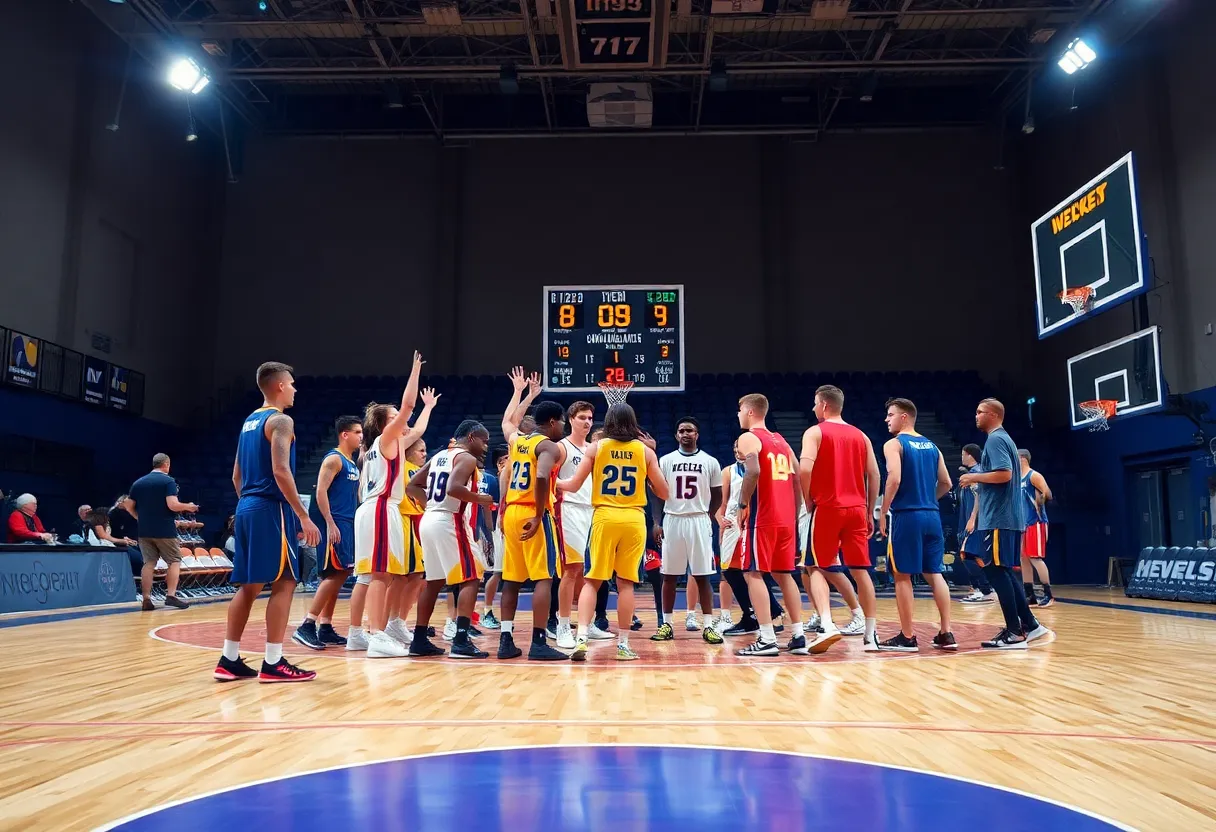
(98, 719)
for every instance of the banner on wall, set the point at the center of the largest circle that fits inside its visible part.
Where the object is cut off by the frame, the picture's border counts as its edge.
(22, 359)
(1175, 574)
(119, 395)
(95, 372)
(41, 578)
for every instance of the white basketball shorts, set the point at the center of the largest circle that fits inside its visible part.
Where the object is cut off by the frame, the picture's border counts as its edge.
(687, 544)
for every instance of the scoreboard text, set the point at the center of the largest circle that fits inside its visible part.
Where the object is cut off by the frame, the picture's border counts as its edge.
(613, 33)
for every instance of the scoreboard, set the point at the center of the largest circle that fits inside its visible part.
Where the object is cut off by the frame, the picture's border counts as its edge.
(614, 333)
(613, 34)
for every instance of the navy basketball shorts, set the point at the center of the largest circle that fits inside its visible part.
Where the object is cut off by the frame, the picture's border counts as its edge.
(266, 539)
(999, 547)
(915, 543)
(337, 557)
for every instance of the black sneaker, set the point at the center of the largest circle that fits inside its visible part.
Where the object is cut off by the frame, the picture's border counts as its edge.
(1005, 640)
(759, 648)
(306, 634)
(541, 652)
(328, 635)
(421, 648)
(945, 641)
(899, 643)
(285, 671)
(176, 603)
(602, 623)
(507, 648)
(474, 632)
(743, 628)
(467, 650)
(636, 624)
(233, 670)
(797, 646)
(430, 632)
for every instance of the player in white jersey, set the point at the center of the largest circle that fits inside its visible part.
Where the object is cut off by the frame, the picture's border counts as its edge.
(685, 533)
(379, 533)
(576, 524)
(448, 484)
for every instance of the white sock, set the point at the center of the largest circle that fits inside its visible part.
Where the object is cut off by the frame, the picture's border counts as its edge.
(582, 632)
(798, 631)
(232, 650)
(354, 631)
(310, 617)
(324, 621)
(871, 626)
(563, 623)
(508, 626)
(857, 613)
(767, 634)
(274, 652)
(448, 623)
(622, 639)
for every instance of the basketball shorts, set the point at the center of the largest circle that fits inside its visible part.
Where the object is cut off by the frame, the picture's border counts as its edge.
(379, 538)
(804, 541)
(688, 544)
(915, 543)
(266, 539)
(971, 545)
(499, 548)
(1034, 541)
(840, 534)
(537, 558)
(576, 532)
(340, 556)
(730, 546)
(415, 563)
(448, 543)
(770, 549)
(617, 544)
(1000, 547)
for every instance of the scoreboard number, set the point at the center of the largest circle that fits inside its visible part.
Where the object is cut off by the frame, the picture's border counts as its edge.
(613, 33)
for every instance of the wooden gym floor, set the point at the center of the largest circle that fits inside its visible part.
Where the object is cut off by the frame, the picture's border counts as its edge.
(107, 715)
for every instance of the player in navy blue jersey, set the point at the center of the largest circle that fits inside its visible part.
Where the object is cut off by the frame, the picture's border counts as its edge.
(270, 519)
(333, 510)
(916, 479)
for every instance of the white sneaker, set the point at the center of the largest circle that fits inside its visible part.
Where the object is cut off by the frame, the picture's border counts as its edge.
(812, 623)
(690, 622)
(723, 622)
(384, 646)
(565, 637)
(449, 631)
(396, 630)
(1037, 633)
(356, 639)
(871, 644)
(596, 634)
(855, 627)
(824, 640)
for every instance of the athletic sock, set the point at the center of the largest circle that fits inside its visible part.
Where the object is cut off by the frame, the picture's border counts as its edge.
(309, 617)
(1029, 588)
(1047, 590)
(564, 623)
(871, 627)
(538, 635)
(274, 652)
(767, 634)
(462, 629)
(798, 630)
(419, 633)
(508, 627)
(232, 650)
(582, 632)
(622, 638)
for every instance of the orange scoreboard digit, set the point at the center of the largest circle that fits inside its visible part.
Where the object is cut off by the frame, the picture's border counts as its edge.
(614, 333)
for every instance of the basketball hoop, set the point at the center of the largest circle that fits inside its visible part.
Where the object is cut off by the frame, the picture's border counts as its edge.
(1079, 298)
(1098, 413)
(615, 391)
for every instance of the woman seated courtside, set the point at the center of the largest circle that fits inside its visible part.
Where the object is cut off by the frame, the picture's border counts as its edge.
(23, 523)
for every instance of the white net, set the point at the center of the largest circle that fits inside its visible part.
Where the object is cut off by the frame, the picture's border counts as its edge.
(1096, 415)
(616, 391)
(1078, 300)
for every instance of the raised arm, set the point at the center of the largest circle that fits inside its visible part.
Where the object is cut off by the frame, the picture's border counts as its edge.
(519, 383)
(325, 477)
(281, 431)
(410, 397)
(581, 472)
(658, 483)
(429, 399)
(810, 452)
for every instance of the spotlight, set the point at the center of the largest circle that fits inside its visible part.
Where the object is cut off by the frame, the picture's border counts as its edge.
(186, 75)
(1028, 125)
(262, 6)
(1078, 56)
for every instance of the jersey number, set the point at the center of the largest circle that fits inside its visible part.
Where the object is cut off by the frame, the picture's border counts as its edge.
(620, 479)
(779, 465)
(521, 476)
(437, 487)
(686, 488)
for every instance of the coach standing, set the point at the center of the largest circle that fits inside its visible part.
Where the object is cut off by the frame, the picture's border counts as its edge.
(153, 502)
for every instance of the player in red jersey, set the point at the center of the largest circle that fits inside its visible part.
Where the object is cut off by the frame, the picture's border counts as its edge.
(768, 515)
(839, 476)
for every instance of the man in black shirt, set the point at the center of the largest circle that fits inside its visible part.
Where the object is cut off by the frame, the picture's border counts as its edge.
(153, 502)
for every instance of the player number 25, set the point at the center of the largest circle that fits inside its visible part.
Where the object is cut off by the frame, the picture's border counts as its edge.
(614, 48)
(620, 479)
(686, 488)
(779, 465)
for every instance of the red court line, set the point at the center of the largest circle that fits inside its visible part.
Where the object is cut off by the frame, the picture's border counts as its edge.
(250, 727)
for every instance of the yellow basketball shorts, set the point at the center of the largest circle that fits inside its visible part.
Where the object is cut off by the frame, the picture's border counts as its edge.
(414, 562)
(617, 544)
(537, 558)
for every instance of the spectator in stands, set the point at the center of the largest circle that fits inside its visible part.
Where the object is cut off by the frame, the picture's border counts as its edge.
(100, 531)
(122, 524)
(24, 525)
(227, 539)
(153, 502)
(83, 512)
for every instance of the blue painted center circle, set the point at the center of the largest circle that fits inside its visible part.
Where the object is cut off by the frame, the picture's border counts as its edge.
(618, 787)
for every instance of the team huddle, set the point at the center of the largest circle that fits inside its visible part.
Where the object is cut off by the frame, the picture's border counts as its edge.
(573, 509)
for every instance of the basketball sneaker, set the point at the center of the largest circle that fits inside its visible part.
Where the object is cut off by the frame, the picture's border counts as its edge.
(625, 653)
(356, 639)
(467, 650)
(812, 623)
(1005, 640)
(945, 641)
(449, 630)
(1037, 633)
(306, 634)
(856, 625)
(690, 622)
(598, 633)
(491, 621)
(899, 643)
(233, 670)
(565, 637)
(824, 640)
(602, 623)
(285, 671)
(474, 632)
(710, 635)
(636, 623)
(542, 652)
(723, 622)
(551, 628)
(797, 646)
(1045, 601)
(507, 648)
(179, 604)
(980, 598)
(746, 627)
(580, 651)
(329, 635)
(397, 630)
(664, 633)
(384, 646)
(759, 648)
(421, 648)
(870, 645)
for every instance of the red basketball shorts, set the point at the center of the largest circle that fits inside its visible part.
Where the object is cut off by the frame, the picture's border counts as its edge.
(1034, 541)
(840, 532)
(769, 549)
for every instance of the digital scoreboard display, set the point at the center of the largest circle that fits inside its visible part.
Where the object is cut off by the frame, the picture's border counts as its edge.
(614, 333)
(613, 33)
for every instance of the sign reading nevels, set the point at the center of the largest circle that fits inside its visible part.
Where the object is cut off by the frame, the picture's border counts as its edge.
(35, 364)
(48, 578)
(1175, 574)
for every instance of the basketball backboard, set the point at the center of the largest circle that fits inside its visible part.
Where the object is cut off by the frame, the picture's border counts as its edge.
(1093, 239)
(1126, 371)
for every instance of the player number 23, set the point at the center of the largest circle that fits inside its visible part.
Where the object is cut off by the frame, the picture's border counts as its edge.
(521, 476)
(779, 465)
(620, 479)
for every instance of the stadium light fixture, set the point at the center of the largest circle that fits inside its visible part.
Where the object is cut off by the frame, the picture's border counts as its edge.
(186, 75)
(1078, 56)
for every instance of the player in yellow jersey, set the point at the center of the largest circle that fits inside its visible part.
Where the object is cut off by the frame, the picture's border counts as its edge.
(618, 466)
(531, 526)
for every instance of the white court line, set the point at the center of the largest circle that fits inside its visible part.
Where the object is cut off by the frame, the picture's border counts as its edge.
(830, 758)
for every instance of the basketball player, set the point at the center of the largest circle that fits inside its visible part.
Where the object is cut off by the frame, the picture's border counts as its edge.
(837, 576)
(336, 499)
(448, 483)
(968, 541)
(1034, 541)
(768, 512)
(532, 537)
(270, 517)
(916, 479)
(1001, 524)
(616, 465)
(839, 477)
(380, 542)
(685, 532)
